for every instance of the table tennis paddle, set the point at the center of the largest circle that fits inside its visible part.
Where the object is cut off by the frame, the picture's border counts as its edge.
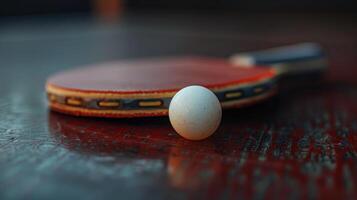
(142, 88)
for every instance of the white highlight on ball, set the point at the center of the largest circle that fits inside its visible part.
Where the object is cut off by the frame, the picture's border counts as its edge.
(195, 112)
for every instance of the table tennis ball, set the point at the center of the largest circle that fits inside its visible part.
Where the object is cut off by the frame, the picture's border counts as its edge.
(195, 112)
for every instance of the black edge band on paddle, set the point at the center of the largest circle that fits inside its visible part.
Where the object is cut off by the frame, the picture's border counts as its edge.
(155, 103)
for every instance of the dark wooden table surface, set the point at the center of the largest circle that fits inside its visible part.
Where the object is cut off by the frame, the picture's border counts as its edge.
(300, 144)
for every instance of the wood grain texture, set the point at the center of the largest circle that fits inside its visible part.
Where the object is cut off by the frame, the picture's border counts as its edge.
(300, 144)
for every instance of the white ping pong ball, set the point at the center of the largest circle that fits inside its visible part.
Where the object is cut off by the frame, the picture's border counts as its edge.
(195, 112)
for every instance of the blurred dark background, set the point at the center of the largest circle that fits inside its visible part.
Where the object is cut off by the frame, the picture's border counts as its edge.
(45, 155)
(26, 7)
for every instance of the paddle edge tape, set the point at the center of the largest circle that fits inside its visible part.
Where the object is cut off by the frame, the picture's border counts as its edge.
(145, 105)
(80, 111)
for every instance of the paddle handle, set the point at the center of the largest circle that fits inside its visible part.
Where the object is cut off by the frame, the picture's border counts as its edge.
(293, 59)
